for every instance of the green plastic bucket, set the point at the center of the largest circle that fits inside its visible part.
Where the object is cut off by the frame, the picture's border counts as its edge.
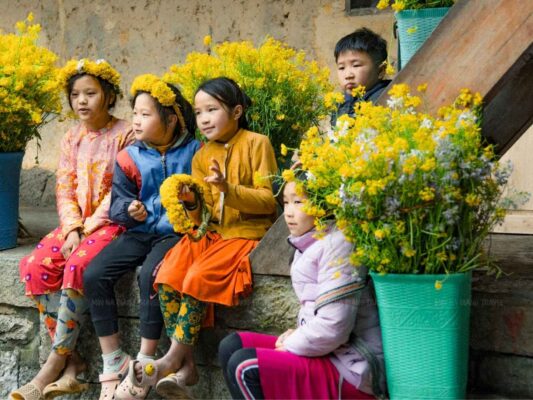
(425, 334)
(423, 21)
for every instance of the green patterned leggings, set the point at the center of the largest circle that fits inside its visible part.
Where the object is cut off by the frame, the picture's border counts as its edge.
(183, 315)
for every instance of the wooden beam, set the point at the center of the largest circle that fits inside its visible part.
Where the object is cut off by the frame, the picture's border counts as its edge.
(486, 46)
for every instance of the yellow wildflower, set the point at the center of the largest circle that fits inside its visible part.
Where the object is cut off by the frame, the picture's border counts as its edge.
(382, 4)
(422, 87)
(427, 194)
(207, 40)
(389, 69)
(359, 91)
(284, 150)
(398, 5)
(288, 175)
(379, 234)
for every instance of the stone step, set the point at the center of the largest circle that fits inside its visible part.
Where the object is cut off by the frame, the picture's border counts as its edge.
(501, 330)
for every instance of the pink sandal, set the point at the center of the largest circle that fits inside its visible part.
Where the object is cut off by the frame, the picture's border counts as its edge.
(131, 387)
(111, 381)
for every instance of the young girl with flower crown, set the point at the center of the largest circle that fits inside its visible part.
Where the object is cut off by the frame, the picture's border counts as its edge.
(196, 274)
(164, 126)
(53, 271)
(335, 350)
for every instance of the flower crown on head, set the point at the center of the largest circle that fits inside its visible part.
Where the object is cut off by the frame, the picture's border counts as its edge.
(159, 90)
(99, 68)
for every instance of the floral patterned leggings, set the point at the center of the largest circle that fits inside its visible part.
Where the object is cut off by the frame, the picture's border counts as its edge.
(183, 315)
(61, 313)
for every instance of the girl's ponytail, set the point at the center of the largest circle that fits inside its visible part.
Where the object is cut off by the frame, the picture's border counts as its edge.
(186, 111)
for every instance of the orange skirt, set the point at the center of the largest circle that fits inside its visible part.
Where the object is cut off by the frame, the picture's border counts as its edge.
(212, 270)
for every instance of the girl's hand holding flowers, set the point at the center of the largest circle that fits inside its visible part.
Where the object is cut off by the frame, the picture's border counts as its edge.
(137, 211)
(187, 196)
(217, 178)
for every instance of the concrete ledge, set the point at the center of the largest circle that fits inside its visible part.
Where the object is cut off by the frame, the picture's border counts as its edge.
(501, 325)
(23, 340)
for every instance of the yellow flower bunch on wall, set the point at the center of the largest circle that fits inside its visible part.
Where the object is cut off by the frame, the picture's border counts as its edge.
(100, 68)
(175, 210)
(29, 90)
(287, 91)
(399, 5)
(415, 193)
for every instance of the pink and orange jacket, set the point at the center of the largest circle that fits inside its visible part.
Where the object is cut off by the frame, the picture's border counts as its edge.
(84, 175)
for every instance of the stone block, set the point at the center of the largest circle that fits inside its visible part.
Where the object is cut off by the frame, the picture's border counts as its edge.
(273, 253)
(37, 187)
(502, 316)
(8, 372)
(16, 329)
(509, 375)
(11, 289)
(272, 307)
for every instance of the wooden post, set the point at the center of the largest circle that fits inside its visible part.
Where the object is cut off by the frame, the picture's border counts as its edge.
(486, 46)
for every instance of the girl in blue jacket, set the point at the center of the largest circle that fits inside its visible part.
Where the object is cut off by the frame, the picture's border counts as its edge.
(164, 126)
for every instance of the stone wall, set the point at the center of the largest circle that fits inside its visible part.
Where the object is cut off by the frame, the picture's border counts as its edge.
(140, 36)
(24, 341)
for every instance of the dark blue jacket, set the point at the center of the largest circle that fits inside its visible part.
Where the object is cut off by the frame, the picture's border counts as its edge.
(139, 172)
(349, 101)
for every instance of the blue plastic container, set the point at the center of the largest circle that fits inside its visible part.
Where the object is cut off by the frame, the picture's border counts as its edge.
(10, 164)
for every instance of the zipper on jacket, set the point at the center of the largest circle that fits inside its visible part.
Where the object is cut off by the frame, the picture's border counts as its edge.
(159, 213)
(164, 164)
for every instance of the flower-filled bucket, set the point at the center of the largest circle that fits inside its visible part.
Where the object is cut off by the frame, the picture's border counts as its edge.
(425, 328)
(10, 164)
(414, 28)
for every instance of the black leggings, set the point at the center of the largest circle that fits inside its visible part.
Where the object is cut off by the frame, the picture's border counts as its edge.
(124, 254)
(231, 354)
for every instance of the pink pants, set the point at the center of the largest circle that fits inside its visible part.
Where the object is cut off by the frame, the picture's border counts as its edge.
(286, 375)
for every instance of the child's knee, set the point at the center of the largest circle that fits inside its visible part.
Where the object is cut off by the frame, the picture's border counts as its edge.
(91, 278)
(229, 345)
(238, 358)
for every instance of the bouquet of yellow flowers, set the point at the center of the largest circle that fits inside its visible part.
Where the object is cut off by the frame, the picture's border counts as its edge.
(399, 5)
(29, 90)
(413, 192)
(287, 91)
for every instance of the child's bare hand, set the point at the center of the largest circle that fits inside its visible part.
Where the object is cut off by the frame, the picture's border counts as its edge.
(217, 178)
(72, 242)
(187, 195)
(295, 159)
(281, 339)
(137, 211)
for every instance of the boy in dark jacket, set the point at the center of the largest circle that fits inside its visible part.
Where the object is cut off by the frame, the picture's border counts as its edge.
(360, 57)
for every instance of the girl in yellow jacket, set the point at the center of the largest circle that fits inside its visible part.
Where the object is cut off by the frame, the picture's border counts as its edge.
(216, 269)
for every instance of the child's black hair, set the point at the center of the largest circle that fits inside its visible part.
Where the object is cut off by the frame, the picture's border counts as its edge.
(166, 111)
(108, 89)
(365, 40)
(229, 94)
